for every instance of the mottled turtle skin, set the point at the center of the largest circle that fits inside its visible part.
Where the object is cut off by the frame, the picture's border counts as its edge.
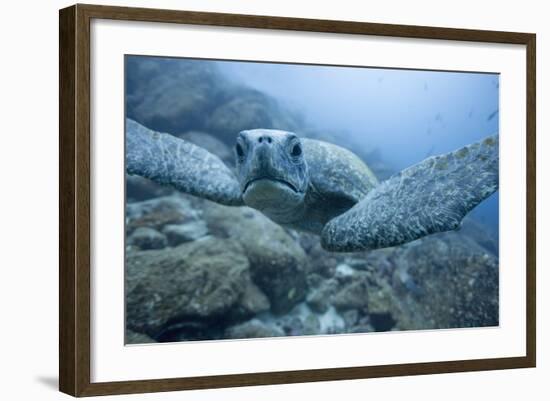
(322, 188)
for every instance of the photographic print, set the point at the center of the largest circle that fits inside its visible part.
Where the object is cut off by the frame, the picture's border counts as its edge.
(272, 199)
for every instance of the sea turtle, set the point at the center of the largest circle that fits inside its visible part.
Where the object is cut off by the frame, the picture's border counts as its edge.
(315, 186)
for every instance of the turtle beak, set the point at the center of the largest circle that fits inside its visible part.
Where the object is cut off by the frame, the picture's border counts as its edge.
(288, 184)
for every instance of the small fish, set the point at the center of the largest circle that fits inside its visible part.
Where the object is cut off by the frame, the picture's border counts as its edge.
(492, 115)
(438, 117)
(425, 86)
(471, 113)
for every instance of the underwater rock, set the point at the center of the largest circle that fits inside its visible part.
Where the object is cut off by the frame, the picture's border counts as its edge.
(344, 272)
(351, 318)
(353, 295)
(311, 325)
(278, 264)
(301, 320)
(332, 322)
(314, 280)
(175, 96)
(440, 281)
(321, 262)
(328, 322)
(131, 337)
(319, 298)
(147, 238)
(380, 298)
(158, 212)
(248, 109)
(170, 95)
(139, 189)
(180, 233)
(253, 328)
(199, 281)
(346, 291)
(252, 302)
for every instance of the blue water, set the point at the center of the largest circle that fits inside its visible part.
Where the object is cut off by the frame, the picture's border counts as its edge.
(407, 114)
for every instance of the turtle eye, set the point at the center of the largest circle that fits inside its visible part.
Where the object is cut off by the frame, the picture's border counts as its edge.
(239, 150)
(296, 150)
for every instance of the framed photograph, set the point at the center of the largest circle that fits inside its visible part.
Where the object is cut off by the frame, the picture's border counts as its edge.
(250, 200)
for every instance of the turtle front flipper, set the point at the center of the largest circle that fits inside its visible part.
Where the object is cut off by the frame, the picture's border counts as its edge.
(168, 160)
(429, 197)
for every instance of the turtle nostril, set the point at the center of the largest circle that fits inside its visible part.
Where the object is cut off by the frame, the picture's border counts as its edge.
(268, 139)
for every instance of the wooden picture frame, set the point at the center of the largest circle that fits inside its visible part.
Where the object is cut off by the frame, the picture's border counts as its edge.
(75, 199)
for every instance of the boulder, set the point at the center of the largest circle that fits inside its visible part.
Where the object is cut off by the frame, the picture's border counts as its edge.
(252, 302)
(253, 328)
(147, 238)
(139, 189)
(352, 295)
(278, 264)
(247, 109)
(159, 212)
(170, 94)
(444, 280)
(196, 282)
(440, 281)
(177, 234)
(319, 299)
(180, 95)
(132, 337)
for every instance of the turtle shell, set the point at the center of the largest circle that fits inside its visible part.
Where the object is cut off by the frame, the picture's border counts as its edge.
(337, 173)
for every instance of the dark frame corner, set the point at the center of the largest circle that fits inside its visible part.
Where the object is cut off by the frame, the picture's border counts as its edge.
(74, 199)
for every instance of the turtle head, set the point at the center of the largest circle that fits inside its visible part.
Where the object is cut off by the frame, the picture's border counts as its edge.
(272, 170)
